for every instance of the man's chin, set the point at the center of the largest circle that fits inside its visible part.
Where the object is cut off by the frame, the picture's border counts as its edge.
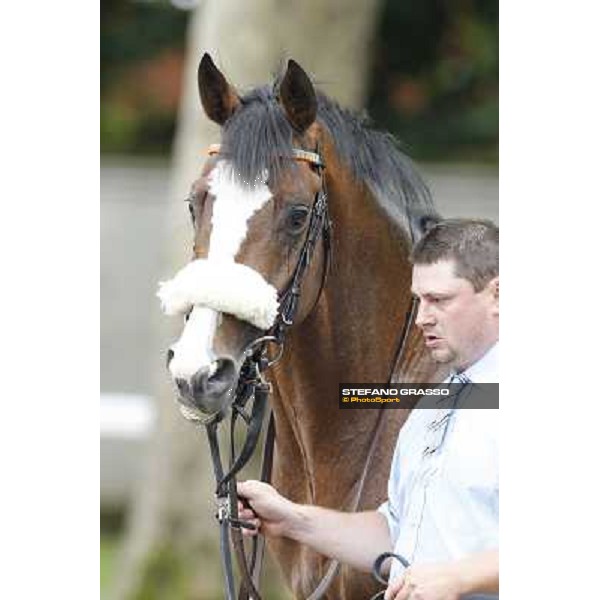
(442, 356)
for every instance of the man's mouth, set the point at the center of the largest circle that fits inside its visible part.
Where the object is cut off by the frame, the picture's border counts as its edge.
(432, 340)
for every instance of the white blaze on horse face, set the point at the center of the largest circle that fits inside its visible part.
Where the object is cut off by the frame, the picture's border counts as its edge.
(233, 206)
(193, 350)
(232, 209)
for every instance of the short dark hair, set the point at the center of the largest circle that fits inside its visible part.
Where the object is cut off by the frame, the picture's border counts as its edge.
(471, 243)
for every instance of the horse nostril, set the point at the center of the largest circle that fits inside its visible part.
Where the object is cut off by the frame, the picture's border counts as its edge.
(170, 355)
(198, 383)
(215, 380)
(223, 376)
(182, 386)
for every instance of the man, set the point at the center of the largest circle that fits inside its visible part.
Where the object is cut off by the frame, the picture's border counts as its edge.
(442, 507)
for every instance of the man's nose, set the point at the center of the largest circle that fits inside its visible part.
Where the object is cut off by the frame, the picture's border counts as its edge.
(424, 315)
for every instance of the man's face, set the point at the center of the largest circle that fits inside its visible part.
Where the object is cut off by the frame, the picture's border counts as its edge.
(459, 325)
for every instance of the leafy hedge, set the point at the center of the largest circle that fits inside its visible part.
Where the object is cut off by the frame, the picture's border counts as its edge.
(434, 79)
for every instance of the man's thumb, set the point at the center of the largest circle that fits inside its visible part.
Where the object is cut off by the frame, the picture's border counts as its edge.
(246, 488)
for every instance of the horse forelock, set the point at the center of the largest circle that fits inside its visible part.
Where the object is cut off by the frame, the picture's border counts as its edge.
(258, 138)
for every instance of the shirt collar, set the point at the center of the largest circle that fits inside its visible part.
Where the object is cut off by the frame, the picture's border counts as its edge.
(487, 368)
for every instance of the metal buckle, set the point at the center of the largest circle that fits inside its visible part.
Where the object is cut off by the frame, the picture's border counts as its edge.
(223, 512)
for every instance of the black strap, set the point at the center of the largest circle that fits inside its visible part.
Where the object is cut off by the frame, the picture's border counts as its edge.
(377, 567)
(227, 499)
(261, 395)
(258, 542)
(409, 320)
(319, 225)
(248, 586)
(222, 511)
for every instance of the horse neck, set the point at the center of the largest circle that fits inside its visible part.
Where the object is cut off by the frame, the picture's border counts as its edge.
(350, 336)
(367, 293)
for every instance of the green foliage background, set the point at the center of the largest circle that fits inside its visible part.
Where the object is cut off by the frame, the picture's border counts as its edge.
(434, 83)
(139, 41)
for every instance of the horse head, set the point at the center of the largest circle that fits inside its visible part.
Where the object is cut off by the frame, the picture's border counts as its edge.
(253, 208)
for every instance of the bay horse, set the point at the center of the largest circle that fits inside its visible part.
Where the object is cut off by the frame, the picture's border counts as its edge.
(251, 211)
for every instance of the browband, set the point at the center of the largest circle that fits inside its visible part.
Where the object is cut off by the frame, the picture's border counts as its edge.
(305, 155)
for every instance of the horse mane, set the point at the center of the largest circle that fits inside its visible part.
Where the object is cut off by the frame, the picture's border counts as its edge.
(371, 156)
(375, 157)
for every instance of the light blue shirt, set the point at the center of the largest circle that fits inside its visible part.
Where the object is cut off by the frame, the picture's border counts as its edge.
(444, 505)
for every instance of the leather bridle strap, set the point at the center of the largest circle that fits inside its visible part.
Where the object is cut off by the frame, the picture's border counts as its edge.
(319, 225)
(258, 542)
(409, 321)
(251, 384)
(222, 511)
(377, 573)
(297, 153)
(226, 491)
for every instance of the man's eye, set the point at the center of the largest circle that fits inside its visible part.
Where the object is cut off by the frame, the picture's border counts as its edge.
(296, 218)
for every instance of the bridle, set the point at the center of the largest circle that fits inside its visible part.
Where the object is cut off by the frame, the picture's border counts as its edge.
(253, 385)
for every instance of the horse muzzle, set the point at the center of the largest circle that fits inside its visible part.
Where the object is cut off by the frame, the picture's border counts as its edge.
(210, 389)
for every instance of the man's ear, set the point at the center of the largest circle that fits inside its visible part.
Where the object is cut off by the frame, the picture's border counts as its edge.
(298, 98)
(219, 99)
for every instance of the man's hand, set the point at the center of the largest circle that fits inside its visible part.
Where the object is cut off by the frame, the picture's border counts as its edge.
(427, 582)
(475, 574)
(329, 532)
(272, 514)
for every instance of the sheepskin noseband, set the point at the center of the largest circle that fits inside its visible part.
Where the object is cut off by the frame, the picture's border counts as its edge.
(224, 286)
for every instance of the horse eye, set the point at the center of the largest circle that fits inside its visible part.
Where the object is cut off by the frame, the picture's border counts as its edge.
(297, 218)
(191, 209)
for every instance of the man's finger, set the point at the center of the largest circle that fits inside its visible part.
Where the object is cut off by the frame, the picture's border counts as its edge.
(393, 588)
(404, 593)
(244, 506)
(246, 514)
(252, 532)
(243, 489)
(247, 489)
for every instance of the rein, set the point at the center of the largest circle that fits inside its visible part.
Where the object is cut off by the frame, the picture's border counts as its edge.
(252, 385)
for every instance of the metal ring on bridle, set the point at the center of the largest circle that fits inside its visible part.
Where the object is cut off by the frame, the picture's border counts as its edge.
(268, 339)
(257, 341)
(277, 358)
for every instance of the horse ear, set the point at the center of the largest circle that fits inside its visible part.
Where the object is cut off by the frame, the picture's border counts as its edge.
(298, 98)
(428, 221)
(219, 99)
(421, 223)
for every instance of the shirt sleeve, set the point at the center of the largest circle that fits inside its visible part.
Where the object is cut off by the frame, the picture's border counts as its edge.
(392, 520)
(390, 509)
